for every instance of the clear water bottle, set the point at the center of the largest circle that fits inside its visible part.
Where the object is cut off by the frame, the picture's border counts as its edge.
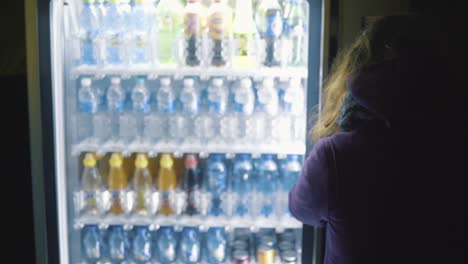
(189, 97)
(234, 126)
(115, 104)
(141, 244)
(293, 97)
(142, 23)
(217, 97)
(118, 243)
(244, 98)
(166, 246)
(267, 184)
(140, 97)
(290, 172)
(89, 25)
(295, 32)
(267, 96)
(165, 97)
(190, 248)
(216, 181)
(87, 97)
(115, 24)
(242, 183)
(216, 245)
(91, 243)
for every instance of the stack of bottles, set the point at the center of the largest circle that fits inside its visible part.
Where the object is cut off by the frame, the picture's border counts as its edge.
(190, 245)
(165, 33)
(217, 111)
(242, 187)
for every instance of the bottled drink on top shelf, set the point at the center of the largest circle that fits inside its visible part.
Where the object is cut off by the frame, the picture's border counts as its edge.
(216, 245)
(193, 30)
(101, 8)
(166, 247)
(118, 244)
(242, 183)
(142, 23)
(192, 184)
(142, 251)
(89, 23)
(87, 97)
(91, 184)
(189, 248)
(267, 182)
(189, 97)
(142, 185)
(91, 243)
(116, 183)
(271, 30)
(216, 181)
(244, 34)
(115, 104)
(293, 97)
(169, 17)
(219, 27)
(295, 33)
(115, 24)
(166, 182)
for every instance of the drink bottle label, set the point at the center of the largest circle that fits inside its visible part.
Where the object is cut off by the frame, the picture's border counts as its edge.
(192, 25)
(274, 25)
(117, 106)
(88, 107)
(217, 26)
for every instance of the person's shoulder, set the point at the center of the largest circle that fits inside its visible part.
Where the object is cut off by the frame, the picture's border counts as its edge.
(338, 140)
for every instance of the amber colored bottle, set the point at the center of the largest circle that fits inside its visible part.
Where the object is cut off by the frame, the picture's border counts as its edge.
(116, 182)
(142, 184)
(166, 182)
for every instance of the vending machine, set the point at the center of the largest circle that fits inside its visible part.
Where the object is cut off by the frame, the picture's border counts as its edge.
(172, 131)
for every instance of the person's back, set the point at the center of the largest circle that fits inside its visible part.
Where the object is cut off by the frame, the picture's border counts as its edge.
(384, 181)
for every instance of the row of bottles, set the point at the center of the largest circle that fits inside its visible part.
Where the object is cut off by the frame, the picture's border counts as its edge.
(166, 245)
(249, 187)
(192, 111)
(115, 32)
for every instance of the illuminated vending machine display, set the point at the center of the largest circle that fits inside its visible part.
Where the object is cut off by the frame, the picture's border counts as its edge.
(172, 131)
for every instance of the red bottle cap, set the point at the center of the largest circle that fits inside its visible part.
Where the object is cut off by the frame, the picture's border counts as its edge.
(191, 161)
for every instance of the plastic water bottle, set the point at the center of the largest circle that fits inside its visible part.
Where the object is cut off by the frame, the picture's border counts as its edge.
(166, 246)
(216, 245)
(91, 184)
(189, 248)
(115, 104)
(219, 26)
(87, 97)
(217, 97)
(118, 243)
(169, 17)
(165, 97)
(242, 183)
(141, 245)
(89, 21)
(290, 172)
(271, 28)
(140, 98)
(267, 95)
(189, 97)
(244, 104)
(293, 97)
(295, 33)
(216, 181)
(193, 30)
(141, 19)
(115, 27)
(267, 184)
(92, 243)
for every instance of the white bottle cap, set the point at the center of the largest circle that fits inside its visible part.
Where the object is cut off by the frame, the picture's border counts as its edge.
(268, 82)
(217, 82)
(165, 81)
(115, 80)
(85, 82)
(246, 82)
(188, 82)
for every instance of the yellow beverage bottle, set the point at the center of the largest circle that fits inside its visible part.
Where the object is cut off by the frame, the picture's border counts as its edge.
(167, 182)
(116, 183)
(142, 184)
(244, 31)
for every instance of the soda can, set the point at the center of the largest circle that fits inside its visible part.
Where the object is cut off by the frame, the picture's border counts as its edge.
(288, 235)
(285, 245)
(267, 240)
(265, 255)
(289, 256)
(240, 245)
(240, 257)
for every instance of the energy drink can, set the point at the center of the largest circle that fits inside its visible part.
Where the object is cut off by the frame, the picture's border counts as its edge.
(240, 257)
(265, 255)
(285, 245)
(289, 256)
(267, 240)
(240, 245)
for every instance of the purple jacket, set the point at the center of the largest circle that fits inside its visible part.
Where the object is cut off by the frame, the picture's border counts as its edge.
(386, 194)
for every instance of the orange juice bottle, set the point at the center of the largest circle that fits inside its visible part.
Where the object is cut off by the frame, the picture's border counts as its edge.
(116, 182)
(167, 182)
(142, 184)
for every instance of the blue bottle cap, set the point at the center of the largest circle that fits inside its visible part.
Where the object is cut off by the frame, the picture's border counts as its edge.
(216, 156)
(244, 156)
(140, 80)
(292, 157)
(267, 156)
(115, 227)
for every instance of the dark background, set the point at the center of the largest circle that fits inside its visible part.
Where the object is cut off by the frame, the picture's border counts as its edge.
(16, 178)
